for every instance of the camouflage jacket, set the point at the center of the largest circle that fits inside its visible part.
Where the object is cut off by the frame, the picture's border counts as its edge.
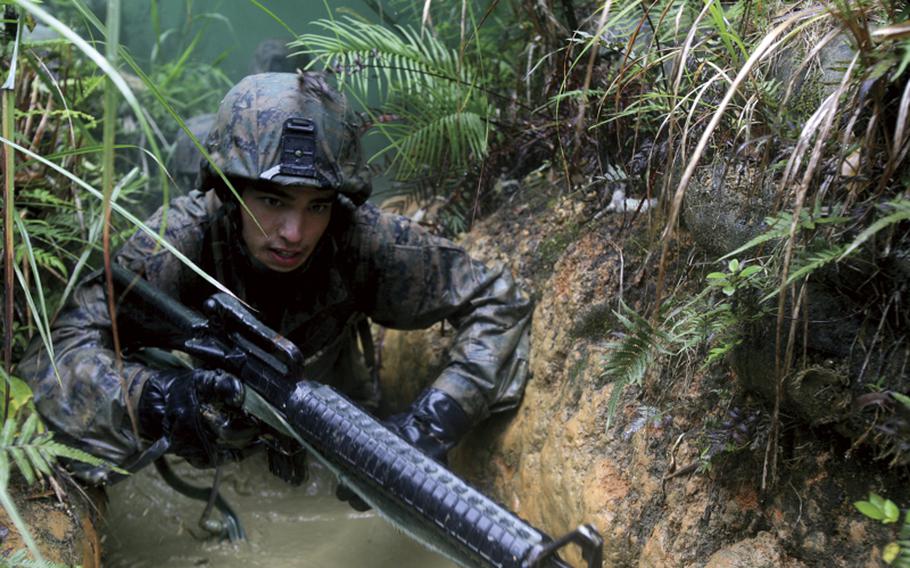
(368, 264)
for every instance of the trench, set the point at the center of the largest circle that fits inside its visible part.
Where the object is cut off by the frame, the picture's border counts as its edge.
(148, 524)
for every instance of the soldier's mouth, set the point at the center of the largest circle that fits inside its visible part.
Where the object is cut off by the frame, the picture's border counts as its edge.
(286, 258)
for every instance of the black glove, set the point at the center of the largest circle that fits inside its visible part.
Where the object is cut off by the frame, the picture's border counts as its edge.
(433, 423)
(198, 411)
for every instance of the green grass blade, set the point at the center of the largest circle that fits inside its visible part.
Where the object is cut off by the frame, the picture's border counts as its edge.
(9, 506)
(135, 221)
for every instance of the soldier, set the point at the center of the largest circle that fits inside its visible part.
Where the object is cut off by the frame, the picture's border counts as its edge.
(314, 260)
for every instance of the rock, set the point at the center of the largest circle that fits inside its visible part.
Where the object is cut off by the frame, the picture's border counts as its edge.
(726, 204)
(763, 551)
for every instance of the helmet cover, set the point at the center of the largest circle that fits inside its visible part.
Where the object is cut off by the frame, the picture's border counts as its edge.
(288, 129)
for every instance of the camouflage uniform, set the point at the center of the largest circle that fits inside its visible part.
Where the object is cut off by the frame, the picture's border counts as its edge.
(368, 264)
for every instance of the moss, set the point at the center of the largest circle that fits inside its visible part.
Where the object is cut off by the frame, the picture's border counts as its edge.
(594, 323)
(549, 251)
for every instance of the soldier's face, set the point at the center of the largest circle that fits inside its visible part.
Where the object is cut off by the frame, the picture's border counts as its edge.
(293, 220)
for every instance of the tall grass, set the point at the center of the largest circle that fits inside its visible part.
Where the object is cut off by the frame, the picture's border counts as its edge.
(61, 148)
(711, 90)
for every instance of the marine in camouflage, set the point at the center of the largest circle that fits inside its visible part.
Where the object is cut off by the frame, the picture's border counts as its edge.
(368, 264)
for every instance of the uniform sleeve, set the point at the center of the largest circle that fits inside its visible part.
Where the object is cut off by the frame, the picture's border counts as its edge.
(420, 280)
(83, 391)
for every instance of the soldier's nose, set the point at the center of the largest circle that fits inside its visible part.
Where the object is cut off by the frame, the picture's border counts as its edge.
(291, 230)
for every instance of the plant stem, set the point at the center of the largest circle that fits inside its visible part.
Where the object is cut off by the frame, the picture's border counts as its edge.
(8, 104)
(111, 100)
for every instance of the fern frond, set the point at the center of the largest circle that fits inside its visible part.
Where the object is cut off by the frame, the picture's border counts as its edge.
(34, 450)
(809, 264)
(20, 559)
(629, 358)
(779, 228)
(901, 212)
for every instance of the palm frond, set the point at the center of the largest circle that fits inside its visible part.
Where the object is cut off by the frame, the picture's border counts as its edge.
(404, 60)
(443, 112)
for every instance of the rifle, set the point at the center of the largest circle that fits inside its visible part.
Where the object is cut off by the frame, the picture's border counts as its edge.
(415, 493)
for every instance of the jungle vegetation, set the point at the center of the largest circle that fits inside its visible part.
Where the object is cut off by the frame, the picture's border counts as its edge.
(626, 95)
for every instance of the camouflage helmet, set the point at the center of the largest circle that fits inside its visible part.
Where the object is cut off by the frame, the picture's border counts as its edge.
(289, 129)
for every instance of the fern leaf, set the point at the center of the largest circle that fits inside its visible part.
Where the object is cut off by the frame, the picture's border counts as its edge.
(28, 429)
(22, 463)
(6, 435)
(812, 263)
(9, 506)
(630, 358)
(901, 213)
(36, 460)
(58, 450)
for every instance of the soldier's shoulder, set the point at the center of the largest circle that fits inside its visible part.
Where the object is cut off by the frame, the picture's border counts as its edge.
(382, 226)
(185, 221)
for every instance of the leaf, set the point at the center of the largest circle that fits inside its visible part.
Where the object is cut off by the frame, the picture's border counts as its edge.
(903, 399)
(28, 429)
(37, 460)
(749, 271)
(902, 213)
(892, 513)
(870, 510)
(890, 553)
(22, 463)
(9, 506)
(877, 500)
(20, 393)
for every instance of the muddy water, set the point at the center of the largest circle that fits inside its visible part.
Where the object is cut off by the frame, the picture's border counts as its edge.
(149, 525)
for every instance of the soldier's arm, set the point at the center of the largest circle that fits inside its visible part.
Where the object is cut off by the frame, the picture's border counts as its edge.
(420, 279)
(83, 394)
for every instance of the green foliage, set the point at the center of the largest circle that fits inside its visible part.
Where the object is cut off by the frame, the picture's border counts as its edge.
(31, 448)
(735, 278)
(631, 356)
(705, 326)
(437, 97)
(20, 559)
(897, 210)
(34, 451)
(877, 508)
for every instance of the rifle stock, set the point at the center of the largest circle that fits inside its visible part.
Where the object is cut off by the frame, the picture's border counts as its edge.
(414, 492)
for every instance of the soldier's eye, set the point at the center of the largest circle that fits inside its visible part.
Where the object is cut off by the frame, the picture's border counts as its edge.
(320, 208)
(271, 201)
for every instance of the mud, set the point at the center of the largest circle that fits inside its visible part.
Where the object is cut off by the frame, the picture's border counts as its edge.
(149, 525)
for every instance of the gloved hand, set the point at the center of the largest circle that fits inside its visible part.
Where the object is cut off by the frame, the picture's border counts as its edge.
(198, 411)
(433, 423)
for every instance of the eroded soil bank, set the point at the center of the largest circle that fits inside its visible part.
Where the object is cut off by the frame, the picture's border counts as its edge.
(660, 481)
